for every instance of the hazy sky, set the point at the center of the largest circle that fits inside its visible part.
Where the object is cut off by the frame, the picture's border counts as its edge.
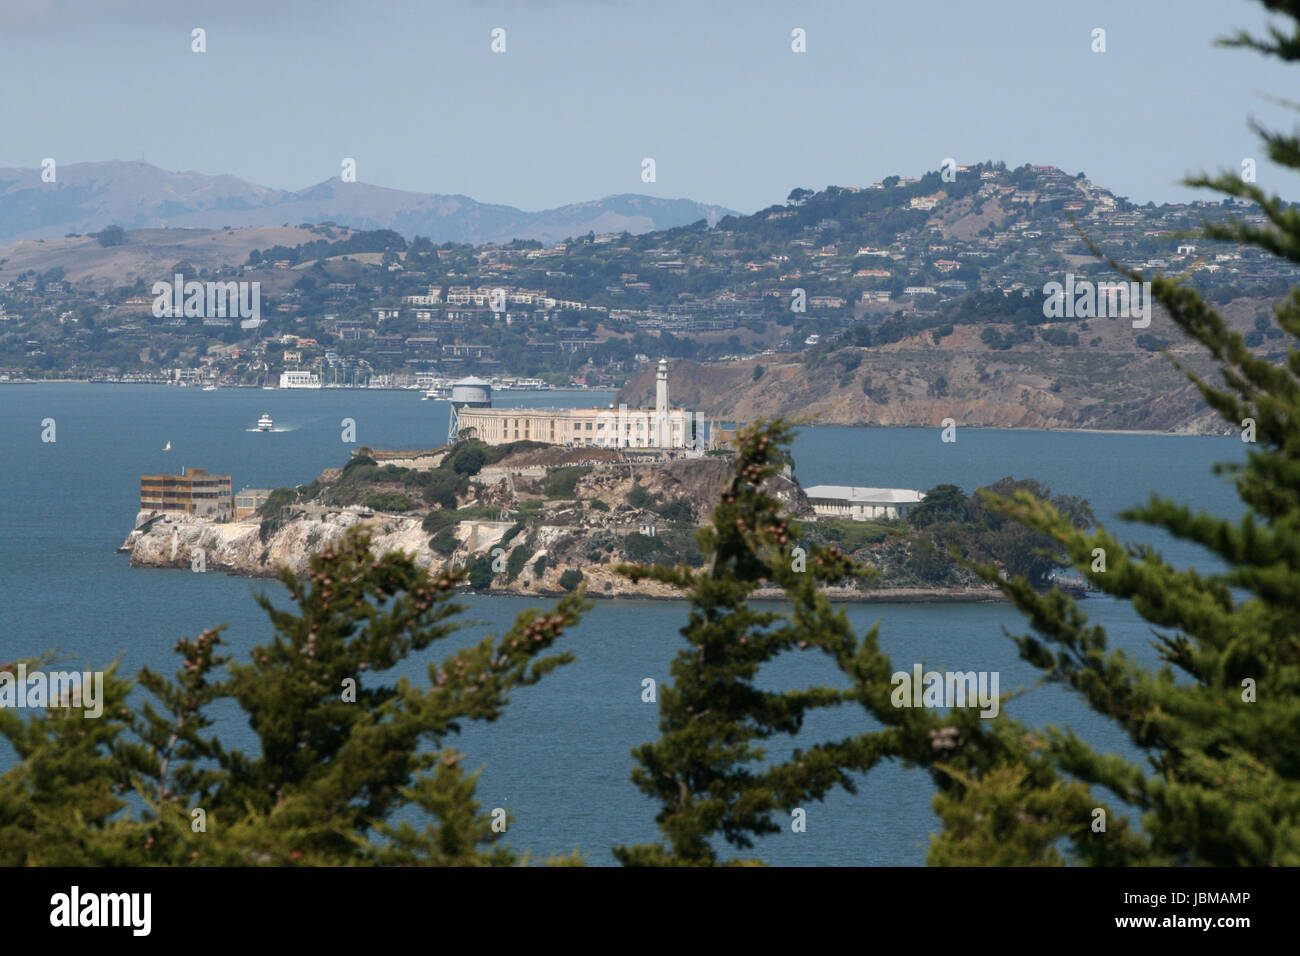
(588, 88)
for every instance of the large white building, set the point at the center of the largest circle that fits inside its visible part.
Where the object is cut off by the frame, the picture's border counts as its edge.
(299, 379)
(622, 427)
(862, 504)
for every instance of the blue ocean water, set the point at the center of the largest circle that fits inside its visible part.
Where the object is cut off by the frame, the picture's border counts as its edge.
(559, 758)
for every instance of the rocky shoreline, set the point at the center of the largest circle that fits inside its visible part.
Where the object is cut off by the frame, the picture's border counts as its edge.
(177, 541)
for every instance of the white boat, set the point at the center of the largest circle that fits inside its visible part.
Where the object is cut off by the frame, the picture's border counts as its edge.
(209, 388)
(265, 424)
(167, 447)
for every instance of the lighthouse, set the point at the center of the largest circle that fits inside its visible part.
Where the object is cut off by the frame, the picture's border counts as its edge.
(663, 436)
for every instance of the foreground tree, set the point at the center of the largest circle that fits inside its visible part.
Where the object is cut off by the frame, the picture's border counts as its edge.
(705, 770)
(709, 770)
(1220, 719)
(341, 748)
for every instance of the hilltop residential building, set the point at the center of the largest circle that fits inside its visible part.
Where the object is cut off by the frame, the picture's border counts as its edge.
(468, 351)
(434, 297)
(193, 491)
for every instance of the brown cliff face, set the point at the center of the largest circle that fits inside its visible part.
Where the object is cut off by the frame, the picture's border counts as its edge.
(1105, 382)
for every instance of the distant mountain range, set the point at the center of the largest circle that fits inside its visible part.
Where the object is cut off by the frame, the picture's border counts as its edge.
(135, 195)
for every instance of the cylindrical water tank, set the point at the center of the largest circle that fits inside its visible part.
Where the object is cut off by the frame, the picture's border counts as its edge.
(471, 393)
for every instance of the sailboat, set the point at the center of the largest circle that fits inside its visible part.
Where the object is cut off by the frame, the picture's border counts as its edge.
(167, 447)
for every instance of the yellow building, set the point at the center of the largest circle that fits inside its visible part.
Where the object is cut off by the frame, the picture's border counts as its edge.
(193, 491)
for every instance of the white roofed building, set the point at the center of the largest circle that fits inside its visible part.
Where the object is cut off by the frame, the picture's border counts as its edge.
(862, 504)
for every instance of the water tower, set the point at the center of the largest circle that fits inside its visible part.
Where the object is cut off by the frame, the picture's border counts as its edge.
(467, 393)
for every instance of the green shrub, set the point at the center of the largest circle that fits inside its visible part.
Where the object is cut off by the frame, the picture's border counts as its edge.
(850, 536)
(444, 542)
(469, 462)
(539, 566)
(518, 558)
(677, 510)
(638, 497)
(562, 482)
(388, 501)
(480, 573)
(640, 547)
(437, 520)
(570, 579)
(360, 474)
(595, 504)
(277, 499)
(444, 488)
(275, 512)
(495, 453)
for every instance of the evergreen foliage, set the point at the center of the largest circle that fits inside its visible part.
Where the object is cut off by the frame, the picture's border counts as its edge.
(1219, 718)
(336, 761)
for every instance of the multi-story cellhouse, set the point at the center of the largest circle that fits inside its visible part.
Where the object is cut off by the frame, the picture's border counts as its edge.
(622, 427)
(193, 491)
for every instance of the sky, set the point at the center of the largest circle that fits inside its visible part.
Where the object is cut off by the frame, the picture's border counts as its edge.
(585, 90)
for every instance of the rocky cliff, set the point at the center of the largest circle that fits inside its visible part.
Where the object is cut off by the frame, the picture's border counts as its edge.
(172, 540)
(1107, 381)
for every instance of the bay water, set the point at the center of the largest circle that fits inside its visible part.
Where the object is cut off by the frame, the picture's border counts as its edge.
(559, 758)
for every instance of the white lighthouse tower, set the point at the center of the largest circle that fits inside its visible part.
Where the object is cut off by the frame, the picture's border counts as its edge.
(663, 434)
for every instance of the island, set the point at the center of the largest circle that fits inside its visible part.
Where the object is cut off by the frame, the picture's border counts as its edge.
(535, 519)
